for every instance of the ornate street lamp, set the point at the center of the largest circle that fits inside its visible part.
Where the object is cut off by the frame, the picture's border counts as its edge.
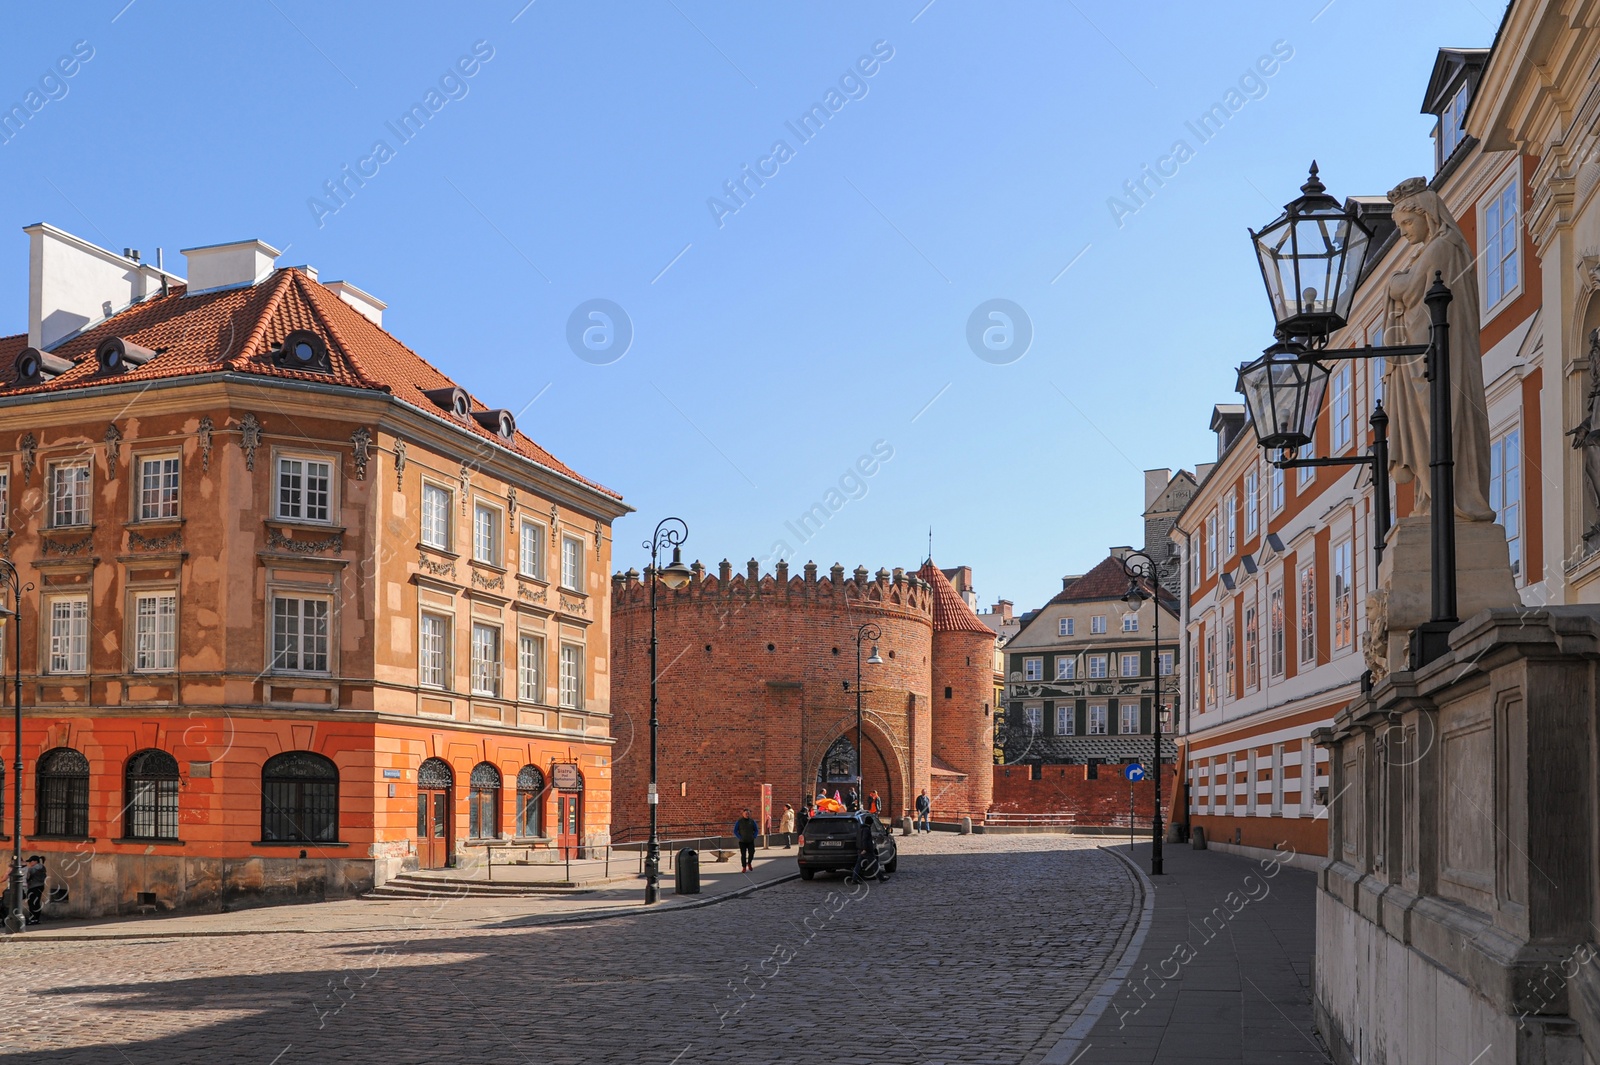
(1284, 391)
(869, 631)
(1311, 257)
(15, 919)
(1140, 566)
(670, 532)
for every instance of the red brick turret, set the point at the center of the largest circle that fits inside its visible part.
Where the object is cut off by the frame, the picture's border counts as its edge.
(962, 773)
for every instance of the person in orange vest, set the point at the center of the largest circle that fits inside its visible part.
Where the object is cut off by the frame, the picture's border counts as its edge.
(874, 804)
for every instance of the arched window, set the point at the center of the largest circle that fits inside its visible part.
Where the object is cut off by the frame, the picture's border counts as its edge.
(530, 801)
(435, 773)
(151, 796)
(299, 799)
(63, 799)
(483, 802)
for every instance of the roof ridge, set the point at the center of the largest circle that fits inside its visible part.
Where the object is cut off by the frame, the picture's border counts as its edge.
(950, 612)
(313, 298)
(281, 284)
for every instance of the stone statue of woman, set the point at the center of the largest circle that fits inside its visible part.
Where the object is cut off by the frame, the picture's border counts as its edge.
(1426, 223)
(1586, 436)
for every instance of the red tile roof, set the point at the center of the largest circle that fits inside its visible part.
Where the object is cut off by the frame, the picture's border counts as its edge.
(1108, 580)
(237, 329)
(950, 612)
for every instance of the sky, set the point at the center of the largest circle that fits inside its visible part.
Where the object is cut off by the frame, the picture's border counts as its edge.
(877, 264)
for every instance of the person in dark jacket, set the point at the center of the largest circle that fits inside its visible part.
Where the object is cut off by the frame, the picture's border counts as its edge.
(34, 880)
(803, 816)
(924, 808)
(852, 801)
(874, 803)
(744, 830)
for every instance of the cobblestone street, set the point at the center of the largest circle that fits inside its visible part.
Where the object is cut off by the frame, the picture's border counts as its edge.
(980, 949)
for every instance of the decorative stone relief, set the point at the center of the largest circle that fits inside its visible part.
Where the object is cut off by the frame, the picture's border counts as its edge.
(495, 583)
(335, 543)
(599, 534)
(466, 485)
(1375, 641)
(1586, 438)
(555, 515)
(361, 447)
(169, 542)
(113, 448)
(30, 456)
(399, 464)
(435, 567)
(575, 606)
(204, 436)
(49, 545)
(249, 440)
(529, 595)
(511, 501)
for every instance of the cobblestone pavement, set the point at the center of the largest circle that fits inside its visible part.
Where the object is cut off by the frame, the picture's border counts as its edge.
(980, 949)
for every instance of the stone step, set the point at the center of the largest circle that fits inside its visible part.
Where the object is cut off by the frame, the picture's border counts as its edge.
(409, 886)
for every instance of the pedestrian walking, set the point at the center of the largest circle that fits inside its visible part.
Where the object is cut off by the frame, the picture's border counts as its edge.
(874, 803)
(35, 889)
(744, 830)
(807, 811)
(852, 801)
(924, 809)
(786, 826)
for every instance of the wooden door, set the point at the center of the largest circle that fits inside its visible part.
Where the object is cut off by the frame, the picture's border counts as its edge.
(569, 822)
(434, 818)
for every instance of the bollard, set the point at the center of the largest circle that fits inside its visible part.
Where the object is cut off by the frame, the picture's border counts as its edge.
(905, 826)
(966, 826)
(1197, 837)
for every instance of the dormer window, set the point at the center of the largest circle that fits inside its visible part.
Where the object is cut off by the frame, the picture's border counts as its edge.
(115, 355)
(500, 422)
(1451, 133)
(452, 400)
(303, 350)
(35, 367)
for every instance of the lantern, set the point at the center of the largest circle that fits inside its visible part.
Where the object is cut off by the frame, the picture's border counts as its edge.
(1311, 258)
(1283, 391)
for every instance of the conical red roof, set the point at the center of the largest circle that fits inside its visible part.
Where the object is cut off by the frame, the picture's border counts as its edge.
(950, 612)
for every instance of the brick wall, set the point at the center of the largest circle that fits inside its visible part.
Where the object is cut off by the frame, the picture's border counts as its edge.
(1066, 789)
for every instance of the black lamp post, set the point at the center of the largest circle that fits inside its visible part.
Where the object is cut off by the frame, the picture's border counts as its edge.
(670, 532)
(1317, 242)
(1138, 565)
(9, 578)
(869, 631)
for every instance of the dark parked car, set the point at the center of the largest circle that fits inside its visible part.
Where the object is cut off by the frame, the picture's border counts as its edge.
(829, 843)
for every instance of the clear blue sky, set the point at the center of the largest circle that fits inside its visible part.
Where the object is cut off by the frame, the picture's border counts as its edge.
(770, 352)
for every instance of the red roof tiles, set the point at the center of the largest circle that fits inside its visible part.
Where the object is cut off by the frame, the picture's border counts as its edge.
(237, 329)
(950, 612)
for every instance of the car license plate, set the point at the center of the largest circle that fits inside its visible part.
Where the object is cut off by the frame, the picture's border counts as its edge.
(831, 843)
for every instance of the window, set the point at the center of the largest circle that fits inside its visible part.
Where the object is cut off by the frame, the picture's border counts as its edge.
(1306, 475)
(436, 516)
(1505, 492)
(69, 634)
(69, 494)
(1034, 715)
(1339, 417)
(1064, 626)
(1344, 597)
(1129, 712)
(1379, 366)
(1130, 623)
(485, 660)
(155, 632)
(1130, 665)
(1308, 615)
(151, 805)
(571, 675)
(1275, 485)
(1229, 661)
(1211, 668)
(1500, 246)
(530, 800)
(433, 652)
(1194, 560)
(485, 534)
(530, 668)
(1166, 663)
(1097, 666)
(1230, 524)
(1211, 542)
(5, 499)
(304, 489)
(62, 800)
(1252, 503)
(1065, 725)
(300, 634)
(1097, 719)
(1033, 669)
(1097, 625)
(1450, 132)
(571, 564)
(483, 802)
(1275, 625)
(158, 487)
(530, 554)
(1066, 668)
(1252, 648)
(299, 799)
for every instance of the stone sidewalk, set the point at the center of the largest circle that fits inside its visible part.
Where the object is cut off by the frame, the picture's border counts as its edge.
(1223, 973)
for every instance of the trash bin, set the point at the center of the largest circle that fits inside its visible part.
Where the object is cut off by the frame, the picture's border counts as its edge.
(688, 871)
(1197, 837)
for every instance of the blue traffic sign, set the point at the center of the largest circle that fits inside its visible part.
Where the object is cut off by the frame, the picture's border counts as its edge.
(1134, 773)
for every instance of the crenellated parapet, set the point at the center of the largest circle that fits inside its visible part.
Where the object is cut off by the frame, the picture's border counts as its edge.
(896, 590)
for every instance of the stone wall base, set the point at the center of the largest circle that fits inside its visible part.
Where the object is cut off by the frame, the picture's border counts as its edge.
(105, 885)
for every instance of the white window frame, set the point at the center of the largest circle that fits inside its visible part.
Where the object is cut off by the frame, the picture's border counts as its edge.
(1305, 475)
(1167, 660)
(1064, 626)
(1033, 669)
(1491, 249)
(168, 498)
(1033, 714)
(487, 536)
(302, 510)
(1252, 643)
(1277, 632)
(1066, 725)
(530, 558)
(1306, 630)
(1211, 541)
(1450, 131)
(438, 506)
(1505, 492)
(1066, 667)
(1123, 663)
(1099, 667)
(79, 497)
(1252, 503)
(1096, 723)
(307, 644)
(1128, 719)
(488, 659)
(1130, 623)
(530, 667)
(155, 631)
(1341, 559)
(1230, 524)
(1275, 490)
(1341, 403)
(572, 564)
(1097, 625)
(433, 662)
(570, 676)
(68, 648)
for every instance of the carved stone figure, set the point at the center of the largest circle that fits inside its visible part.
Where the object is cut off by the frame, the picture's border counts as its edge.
(1427, 224)
(113, 448)
(361, 450)
(204, 434)
(1375, 642)
(1586, 436)
(249, 439)
(399, 464)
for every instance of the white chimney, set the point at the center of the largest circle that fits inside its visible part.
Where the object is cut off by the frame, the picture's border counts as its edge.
(235, 265)
(73, 284)
(370, 306)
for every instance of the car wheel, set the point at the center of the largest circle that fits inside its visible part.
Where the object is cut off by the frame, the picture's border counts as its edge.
(892, 865)
(807, 874)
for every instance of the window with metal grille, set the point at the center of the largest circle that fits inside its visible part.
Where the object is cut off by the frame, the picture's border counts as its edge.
(435, 773)
(158, 487)
(486, 660)
(299, 799)
(530, 801)
(300, 634)
(69, 634)
(155, 632)
(436, 516)
(151, 802)
(571, 676)
(69, 494)
(63, 795)
(530, 668)
(483, 802)
(304, 489)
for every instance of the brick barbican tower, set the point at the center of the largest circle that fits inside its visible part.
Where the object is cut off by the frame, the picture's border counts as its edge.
(757, 687)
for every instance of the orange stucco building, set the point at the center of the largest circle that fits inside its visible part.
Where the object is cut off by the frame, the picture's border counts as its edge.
(305, 614)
